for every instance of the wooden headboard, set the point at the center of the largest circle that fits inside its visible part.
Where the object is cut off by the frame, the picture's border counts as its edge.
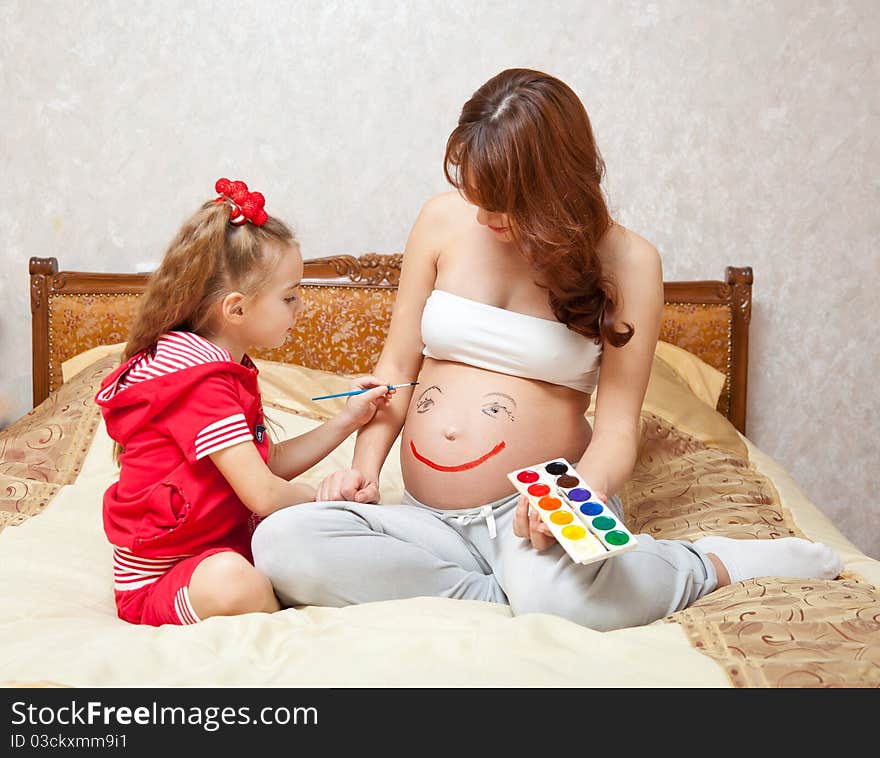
(348, 302)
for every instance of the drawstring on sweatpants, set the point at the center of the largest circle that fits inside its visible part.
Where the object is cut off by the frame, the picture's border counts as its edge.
(483, 512)
(486, 512)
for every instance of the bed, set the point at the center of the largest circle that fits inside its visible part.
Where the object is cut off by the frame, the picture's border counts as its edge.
(697, 473)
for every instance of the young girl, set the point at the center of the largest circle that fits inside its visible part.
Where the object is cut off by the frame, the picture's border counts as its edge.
(197, 467)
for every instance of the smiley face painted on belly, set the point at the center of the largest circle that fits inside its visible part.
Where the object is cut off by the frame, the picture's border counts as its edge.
(466, 428)
(464, 440)
(459, 466)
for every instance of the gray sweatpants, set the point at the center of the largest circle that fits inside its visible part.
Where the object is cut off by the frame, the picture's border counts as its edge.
(341, 553)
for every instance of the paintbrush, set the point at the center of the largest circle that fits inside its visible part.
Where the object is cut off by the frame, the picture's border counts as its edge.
(361, 392)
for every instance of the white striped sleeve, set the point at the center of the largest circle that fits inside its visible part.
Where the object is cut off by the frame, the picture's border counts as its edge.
(221, 434)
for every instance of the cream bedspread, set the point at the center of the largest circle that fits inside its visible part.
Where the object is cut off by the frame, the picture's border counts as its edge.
(59, 624)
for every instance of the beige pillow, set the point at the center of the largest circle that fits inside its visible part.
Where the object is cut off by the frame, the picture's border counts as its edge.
(705, 381)
(292, 387)
(670, 397)
(72, 366)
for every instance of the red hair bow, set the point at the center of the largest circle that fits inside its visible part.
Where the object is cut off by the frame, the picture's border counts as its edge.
(246, 206)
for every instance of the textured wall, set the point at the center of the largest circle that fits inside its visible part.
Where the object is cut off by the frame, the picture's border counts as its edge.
(734, 132)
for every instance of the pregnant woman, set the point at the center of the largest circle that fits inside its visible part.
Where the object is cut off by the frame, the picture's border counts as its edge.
(519, 298)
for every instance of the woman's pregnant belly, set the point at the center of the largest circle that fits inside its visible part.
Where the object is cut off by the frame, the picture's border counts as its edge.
(467, 428)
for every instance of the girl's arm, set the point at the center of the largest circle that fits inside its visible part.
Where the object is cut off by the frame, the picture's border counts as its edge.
(256, 486)
(292, 457)
(400, 360)
(264, 487)
(623, 379)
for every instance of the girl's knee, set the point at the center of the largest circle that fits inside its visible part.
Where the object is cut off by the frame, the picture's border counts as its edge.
(226, 584)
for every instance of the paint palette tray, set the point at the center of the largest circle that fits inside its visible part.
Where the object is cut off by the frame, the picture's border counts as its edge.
(586, 529)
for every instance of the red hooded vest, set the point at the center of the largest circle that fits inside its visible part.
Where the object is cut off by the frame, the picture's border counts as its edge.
(170, 408)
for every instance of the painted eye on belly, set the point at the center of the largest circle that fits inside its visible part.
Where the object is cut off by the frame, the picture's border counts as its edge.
(496, 410)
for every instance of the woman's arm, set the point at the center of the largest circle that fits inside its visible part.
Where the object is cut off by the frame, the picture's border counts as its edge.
(400, 360)
(623, 378)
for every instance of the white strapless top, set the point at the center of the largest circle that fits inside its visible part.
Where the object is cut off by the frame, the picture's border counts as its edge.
(455, 328)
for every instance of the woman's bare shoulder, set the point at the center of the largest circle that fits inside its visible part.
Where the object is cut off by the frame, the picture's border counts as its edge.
(441, 218)
(444, 208)
(628, 256)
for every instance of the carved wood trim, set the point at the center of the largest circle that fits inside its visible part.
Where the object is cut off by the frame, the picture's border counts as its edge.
(40, 270)
(371, 269)
(740, 281)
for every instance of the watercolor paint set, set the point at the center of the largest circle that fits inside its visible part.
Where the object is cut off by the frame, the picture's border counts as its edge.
(586, 529)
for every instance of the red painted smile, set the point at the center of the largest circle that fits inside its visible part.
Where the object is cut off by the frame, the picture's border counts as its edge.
(462, 466)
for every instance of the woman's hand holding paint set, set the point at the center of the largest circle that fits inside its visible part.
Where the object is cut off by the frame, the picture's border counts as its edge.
(574, 514)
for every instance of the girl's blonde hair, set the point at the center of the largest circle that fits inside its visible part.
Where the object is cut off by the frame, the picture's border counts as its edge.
(206, 260)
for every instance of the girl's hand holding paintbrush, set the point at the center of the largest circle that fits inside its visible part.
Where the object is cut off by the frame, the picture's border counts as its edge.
(367, 396)
(352, 484)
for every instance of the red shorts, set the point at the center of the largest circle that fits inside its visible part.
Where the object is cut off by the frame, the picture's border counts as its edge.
(166, 600)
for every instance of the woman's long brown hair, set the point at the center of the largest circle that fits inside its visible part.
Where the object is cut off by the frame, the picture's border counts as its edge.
(524, 146)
